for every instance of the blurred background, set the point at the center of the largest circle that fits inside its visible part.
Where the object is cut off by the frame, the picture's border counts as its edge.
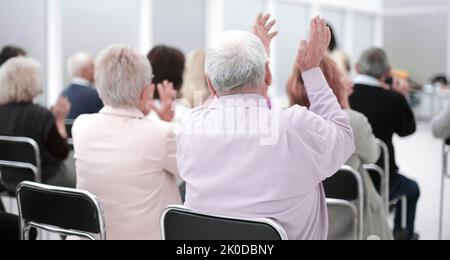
(414, 32)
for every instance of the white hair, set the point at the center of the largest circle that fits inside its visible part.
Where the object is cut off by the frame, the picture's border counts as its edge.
(78, 63)
(121, 74)
(237, 59)
(20, 80)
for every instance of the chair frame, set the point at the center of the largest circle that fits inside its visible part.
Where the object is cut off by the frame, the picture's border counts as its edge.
(347, 204)
(445, 175)
(36, 169)
(25, 226)
(360, 205)
(280, 230)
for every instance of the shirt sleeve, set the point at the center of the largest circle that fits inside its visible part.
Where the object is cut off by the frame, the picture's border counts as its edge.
(170, 154)
(366, 143)
(406, 122)
(56, 144)
(329, 133)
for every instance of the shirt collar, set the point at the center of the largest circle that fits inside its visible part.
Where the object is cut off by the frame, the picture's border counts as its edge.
(81, 82)
(366, 80)
(130, 112)
(240, 100)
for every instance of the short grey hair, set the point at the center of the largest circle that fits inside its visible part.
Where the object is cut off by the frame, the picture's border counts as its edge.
(20, 80)
(236, 59)
(121, 74)
(79, 62)
(374, 62)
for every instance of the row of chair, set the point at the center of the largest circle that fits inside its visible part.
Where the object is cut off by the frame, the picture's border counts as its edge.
(343, 189)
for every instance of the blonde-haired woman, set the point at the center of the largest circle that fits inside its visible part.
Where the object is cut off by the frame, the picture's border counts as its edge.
(195, 88)
(21, 82)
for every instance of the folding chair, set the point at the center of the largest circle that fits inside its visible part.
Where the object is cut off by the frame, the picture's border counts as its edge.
(342, 219)
(69, 125)
(445, 175)
(381, 179)
(180, 223)
(63, 211)
(347, 185)
(19, 161)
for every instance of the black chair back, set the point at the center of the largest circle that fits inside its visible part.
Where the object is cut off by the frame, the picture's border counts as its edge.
(66, 211)
(19, 161)
(347, 185)
(69, 125)
(179, 223)
(343, 185)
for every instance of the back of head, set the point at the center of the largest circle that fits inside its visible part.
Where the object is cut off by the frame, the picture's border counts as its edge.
(20, 80)
(296, 86)
(121, 74)
(168, 64)
(81, 64)
(9, 52)
(237, 59)
(374, 62)
(439, 79)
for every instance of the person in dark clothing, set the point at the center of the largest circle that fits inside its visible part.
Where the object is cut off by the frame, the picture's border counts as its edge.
(20, 83)
(9, 52)
(81, 93)
(389, 113)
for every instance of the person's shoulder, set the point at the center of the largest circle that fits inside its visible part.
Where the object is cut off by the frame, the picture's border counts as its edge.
(38, 109)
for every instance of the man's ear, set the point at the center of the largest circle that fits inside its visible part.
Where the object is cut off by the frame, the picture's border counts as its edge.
(210, 87)
(268, 79)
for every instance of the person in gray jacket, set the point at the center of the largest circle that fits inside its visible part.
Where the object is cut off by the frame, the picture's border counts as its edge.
(367, 151)
(441, 124)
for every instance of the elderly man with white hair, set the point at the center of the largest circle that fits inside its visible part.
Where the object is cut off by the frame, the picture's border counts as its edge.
(126, 160)
(81, 93)
(257, 161)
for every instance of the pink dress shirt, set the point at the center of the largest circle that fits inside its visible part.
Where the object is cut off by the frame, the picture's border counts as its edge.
(274, 170)
(129, 163)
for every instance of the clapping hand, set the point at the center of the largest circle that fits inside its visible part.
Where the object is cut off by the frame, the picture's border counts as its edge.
(311, 52)
(167, 95)
(263, 30)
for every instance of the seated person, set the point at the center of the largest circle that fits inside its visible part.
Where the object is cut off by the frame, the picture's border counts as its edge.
(389, 113)
(441, 124)
(9, 52)
(81, 93)
(367, 150)
(271, 169)
(168, 64)
(127, 161)
(20, 83)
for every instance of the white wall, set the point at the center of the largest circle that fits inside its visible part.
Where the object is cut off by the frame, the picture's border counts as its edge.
(416, 36)
(93, 25)
(23, 23)
(180, 23)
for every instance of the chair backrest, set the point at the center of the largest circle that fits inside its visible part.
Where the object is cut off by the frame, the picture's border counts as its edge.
(60, 210)
(342, 219)
(19, 160)
(347, 185)
(180, 223)
(69, 125)
(384, 156)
